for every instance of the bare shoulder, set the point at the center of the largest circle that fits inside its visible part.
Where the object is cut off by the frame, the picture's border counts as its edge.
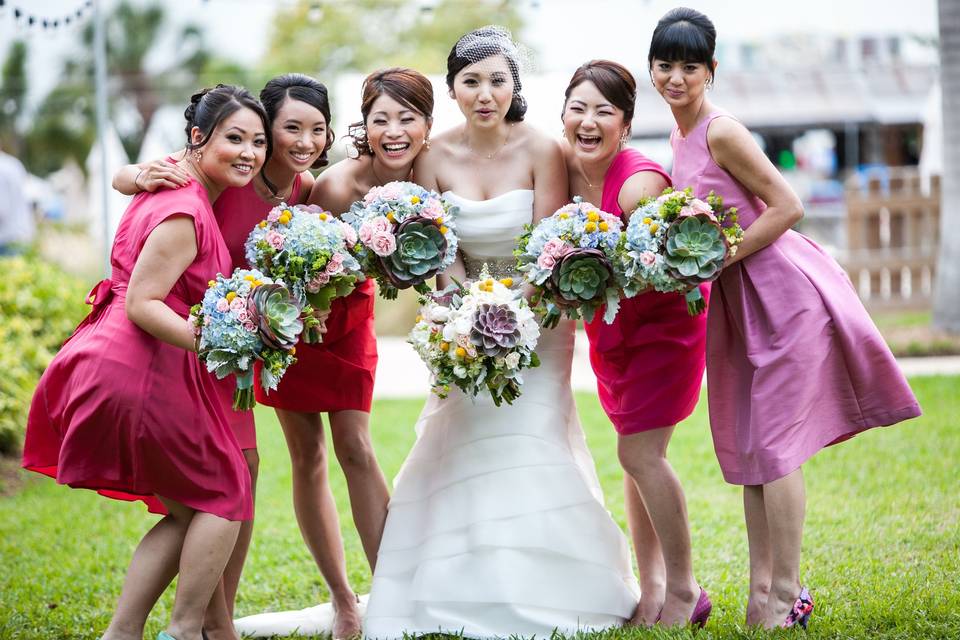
(306, 182)
(724, 131)
(642, 184)
(540, 142)
(335, 188)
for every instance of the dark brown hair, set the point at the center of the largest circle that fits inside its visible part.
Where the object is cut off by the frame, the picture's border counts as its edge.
(296, 86)
(407, 86)
(613, 80)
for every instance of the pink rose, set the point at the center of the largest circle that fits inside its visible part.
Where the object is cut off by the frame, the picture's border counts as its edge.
(383, 244)
(249, 326)
(366, 232)
(373, 227)
(243, 316)
(314, 208)
(647, 258)
(700, 206)
(238, 304)
(273, 216)
(556, 248)
(335, 264)
(546, 261)
(349, 233)
(275, 240)
(687, 211)
(222, 305)
(318, 281)
(612, 220)
(432, 209)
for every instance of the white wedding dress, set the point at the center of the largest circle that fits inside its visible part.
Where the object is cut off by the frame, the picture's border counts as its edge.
(497, 525)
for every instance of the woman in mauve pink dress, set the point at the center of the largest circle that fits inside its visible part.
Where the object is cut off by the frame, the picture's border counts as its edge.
(127, 409)
(649, 361)
(794, 362)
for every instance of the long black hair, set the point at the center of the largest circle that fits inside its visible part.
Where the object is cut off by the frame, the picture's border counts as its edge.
(684, 34)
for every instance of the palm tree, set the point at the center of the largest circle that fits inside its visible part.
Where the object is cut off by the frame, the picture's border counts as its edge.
(946, 302)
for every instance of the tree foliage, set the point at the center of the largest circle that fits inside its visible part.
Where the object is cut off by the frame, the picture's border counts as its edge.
(326, 38)
(13, 91)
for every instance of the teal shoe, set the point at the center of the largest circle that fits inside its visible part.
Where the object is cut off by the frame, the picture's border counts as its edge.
(165, 636)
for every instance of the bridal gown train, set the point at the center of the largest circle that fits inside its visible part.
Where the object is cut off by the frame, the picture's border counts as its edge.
(497, 525)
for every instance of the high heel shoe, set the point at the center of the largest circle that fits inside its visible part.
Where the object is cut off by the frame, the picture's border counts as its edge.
(802, 610)
(701, 612)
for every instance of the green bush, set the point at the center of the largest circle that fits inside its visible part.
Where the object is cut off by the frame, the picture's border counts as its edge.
(39, 307)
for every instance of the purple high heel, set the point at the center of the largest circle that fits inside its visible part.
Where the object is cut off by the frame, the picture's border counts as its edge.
(802, 610)
(702, 611)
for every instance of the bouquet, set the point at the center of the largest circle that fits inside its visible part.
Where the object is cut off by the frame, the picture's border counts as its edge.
(676, 242)
(244, 318)
(309, 248)
(406, 236)
(576, 260)
(477, 338)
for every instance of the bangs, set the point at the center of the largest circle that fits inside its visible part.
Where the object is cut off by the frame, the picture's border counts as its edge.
(681, 41)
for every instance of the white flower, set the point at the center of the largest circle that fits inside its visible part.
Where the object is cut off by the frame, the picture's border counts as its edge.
(512, 360)
(438, 313)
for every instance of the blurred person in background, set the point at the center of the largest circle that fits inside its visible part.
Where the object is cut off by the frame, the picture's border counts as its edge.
(17, 227)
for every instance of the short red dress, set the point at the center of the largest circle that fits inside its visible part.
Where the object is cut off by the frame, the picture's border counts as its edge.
(337, 374)
(128, 415)
(238, 210)
(649, 363)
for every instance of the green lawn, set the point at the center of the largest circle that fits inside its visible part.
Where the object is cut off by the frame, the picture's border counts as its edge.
(881, 553)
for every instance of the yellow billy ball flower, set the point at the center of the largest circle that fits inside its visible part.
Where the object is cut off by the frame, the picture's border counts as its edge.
(654, 227)
(461, 352)
(590, 227)
(249, 278)
(414, 200)
(231, 295)
(647, 220)
(443, 229)
(604, 226)
(444, 346)
(211, 283)
(284, 219)
(419, 317)
(507, 282)
(323, 216)
(564, 216)
(438, 222)
(262, 224)
(593, 216)
(390, 216)
(293, 351)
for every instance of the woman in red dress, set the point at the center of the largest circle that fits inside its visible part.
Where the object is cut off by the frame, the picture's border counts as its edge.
(299, 112)
(649, 363)
(127, 409)
(336, 376)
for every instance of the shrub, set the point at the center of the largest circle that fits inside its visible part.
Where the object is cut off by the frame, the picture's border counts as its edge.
(39, 307)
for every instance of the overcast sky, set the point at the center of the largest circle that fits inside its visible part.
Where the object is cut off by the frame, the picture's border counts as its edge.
(562, 32)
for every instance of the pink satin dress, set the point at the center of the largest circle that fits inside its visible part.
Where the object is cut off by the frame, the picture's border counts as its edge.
(794, 362)
(128, 415)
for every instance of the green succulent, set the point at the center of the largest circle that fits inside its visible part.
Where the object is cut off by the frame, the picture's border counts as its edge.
(276, 313)
(419, 255)
(696, 249)
(582, 275)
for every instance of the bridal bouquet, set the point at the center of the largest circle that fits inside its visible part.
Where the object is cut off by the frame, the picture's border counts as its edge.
(244, 318)
(477, 338)
(676, 242)
(576, 260)
(310, 249)
(406, 236)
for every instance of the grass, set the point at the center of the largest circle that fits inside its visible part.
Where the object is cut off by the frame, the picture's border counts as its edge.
(881, 548)
(911, 333)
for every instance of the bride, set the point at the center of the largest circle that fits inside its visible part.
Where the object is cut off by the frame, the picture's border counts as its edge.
(497, 525)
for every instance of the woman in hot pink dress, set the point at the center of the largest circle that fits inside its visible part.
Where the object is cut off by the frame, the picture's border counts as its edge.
(127, 409)
(794, 362)
(649, 362)
(299, 113)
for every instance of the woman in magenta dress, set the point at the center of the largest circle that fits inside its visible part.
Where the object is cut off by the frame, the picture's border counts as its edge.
(794, 362)
(299, 112)
(127, 409)
(649, 362)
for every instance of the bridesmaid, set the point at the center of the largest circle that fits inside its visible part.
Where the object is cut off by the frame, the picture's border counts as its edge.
(649, 362)
(794, 362)
(299, 112)
(128, 376)
(336, 377)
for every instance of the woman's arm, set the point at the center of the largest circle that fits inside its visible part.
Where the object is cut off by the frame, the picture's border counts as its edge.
(734, 149)
(149, 176)
(550, 185)
(168, 251)
(643, 184)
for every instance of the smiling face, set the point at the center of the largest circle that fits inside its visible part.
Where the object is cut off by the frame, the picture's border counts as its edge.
(591, 124)
(680, 83)
(235, 151)
(484, 91)
(395, 132)
(299, 135)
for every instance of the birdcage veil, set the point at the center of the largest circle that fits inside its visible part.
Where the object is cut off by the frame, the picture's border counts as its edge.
(485, 43)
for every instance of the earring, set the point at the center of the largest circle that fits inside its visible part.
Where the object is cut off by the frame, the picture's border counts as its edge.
(623, 139)
(369, 148)
(351, 150)
(426, 142)
(197, 155)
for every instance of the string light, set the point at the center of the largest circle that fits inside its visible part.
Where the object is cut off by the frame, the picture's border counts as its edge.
(27, 19)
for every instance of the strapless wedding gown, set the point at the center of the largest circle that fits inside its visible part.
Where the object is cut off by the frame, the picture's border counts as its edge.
(497, 524)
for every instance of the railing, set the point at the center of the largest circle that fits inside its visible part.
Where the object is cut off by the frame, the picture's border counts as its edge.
(892, 237)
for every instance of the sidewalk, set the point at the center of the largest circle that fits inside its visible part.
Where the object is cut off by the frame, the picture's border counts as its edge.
(401, 374)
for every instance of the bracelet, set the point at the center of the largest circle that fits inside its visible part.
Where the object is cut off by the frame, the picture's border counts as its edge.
(136, 181)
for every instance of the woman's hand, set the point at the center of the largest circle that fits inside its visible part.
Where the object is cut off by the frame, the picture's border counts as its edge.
(160, 174)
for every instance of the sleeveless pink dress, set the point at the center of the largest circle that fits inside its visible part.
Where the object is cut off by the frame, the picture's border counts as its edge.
(128, 415)
(794, 362)
(649, 362)
(238, 210)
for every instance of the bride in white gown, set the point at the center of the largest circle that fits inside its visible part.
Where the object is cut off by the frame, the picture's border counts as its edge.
(497, 524)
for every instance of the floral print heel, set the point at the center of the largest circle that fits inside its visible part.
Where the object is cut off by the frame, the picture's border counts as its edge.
(802, 609)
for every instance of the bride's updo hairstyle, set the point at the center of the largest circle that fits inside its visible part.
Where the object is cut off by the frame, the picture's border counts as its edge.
(684, 35)
(410, 88)
(484, 43)
(612, 80)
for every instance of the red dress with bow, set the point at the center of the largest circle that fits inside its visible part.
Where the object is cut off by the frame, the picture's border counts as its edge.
(128, 415)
